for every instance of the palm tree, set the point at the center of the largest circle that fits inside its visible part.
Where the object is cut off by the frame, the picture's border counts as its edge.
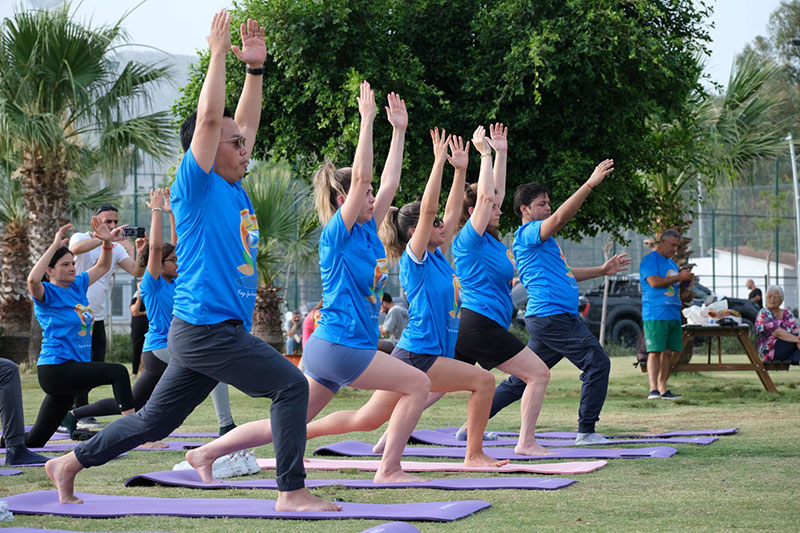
(15, 305)
(288, 236)
(67, 110)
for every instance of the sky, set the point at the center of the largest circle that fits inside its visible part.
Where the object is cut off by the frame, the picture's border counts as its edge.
(155, 23)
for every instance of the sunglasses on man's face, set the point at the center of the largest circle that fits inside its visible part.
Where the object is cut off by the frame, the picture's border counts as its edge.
(437, 222)
(240, 140)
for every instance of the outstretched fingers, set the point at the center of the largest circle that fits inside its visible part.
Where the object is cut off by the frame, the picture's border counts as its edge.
(366, 101)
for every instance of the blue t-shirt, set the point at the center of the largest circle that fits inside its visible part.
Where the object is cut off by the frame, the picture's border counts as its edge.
(158, 296)
(659, 304)
(66, 320)
(544, 272)
(434, 304)
(217, 244)
(486, 268)
(354, 273)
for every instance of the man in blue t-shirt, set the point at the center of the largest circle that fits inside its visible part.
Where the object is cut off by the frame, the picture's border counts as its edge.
(551, 317)
(660, 279)
(209, 336)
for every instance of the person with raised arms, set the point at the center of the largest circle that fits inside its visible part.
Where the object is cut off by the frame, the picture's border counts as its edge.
(343, 348)
(209, 336)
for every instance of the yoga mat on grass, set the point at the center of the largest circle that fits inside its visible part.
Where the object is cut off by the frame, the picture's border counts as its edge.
(56, 436)
(10, 472)
(439, 438)
(37, 530)
(189, 478)
(572, 435)
(174, 445)
(392, 527)
(104, 506)
(366, 465)
(354, 448)
(189, 435)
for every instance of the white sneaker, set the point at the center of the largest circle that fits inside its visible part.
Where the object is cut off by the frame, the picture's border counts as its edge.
(590, 439)
(5, 514)
(250, 461)
(235, 464)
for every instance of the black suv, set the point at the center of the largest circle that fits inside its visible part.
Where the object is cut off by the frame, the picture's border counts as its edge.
(624, 313)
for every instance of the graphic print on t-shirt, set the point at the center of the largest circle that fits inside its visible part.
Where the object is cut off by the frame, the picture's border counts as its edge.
(510, 256)
(670, 288)
(248, 230)
(87, 319)
(456, 311)
(569, 269)
(379, 279)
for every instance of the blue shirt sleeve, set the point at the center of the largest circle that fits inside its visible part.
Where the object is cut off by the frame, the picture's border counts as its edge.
(335, 233)
(647, 268)
(193, 182)
(530, 234)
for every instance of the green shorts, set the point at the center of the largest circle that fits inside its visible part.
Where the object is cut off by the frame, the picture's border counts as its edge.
(660, 335)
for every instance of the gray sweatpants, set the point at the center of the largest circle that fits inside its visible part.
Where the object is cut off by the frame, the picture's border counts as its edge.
(202, 356)
(11, 404)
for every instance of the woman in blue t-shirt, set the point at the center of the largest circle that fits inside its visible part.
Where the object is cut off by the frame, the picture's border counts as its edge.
(63, 311)
(486, 269)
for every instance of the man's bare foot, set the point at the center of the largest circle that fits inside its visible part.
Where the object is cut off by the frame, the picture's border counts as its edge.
(302, 500)
(61, 472)
(484, 460)
(380, 445)
(202, 463)
(398, 476)
(533, 449)
(152, 445)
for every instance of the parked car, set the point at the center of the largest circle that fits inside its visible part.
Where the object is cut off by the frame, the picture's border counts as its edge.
(624, 310)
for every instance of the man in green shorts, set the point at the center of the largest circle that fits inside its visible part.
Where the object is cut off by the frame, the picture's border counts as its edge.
(661, 311)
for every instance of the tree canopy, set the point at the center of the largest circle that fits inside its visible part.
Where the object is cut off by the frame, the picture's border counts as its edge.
(574, 81)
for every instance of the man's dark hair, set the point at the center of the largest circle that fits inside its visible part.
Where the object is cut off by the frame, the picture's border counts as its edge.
(187, 128)
(103, 207)
(387, 298)
(526, 193)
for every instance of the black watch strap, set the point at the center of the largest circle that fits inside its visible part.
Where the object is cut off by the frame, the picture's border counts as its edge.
(255, 71)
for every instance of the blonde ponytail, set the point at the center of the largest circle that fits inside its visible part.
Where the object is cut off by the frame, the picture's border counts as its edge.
(395, 232)
(328, 184)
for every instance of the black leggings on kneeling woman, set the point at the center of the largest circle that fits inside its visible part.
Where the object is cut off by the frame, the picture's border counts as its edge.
(61, 382)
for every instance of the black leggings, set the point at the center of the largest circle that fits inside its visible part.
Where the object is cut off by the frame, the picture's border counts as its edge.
(152, 370)
(61, 382)
(139, 325)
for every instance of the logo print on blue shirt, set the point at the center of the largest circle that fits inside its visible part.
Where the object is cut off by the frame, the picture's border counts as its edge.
(87, 319)
(248, 231)
(381, 275)
(456, 311)
(569, 269)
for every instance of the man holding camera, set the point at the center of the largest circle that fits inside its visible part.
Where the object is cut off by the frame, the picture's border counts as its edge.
(86, 248)
(661, 279)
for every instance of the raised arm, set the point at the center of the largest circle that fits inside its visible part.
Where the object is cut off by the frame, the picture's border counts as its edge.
(615, 264)
(361, 175)
(35, 286)
(459, 158)
(211, 102)
(103, 263)
(156, 205)
(499, 141)
(167, 207)
(429, 207)
(390, 178)
(551, 225)
(253, 53)
(486, 197)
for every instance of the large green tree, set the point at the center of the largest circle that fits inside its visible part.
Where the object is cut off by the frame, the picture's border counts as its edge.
(574, 81)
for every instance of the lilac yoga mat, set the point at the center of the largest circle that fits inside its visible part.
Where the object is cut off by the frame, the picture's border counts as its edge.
(103, 506)
(10, 472)
(56, 436)
(366, 465)
(184, 435)
(439, 438)
(173, 445)
(189, 478)
(571, 434)
(362, 449)
(392, 527)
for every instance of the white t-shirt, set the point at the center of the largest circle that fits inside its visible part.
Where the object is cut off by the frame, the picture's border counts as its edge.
(98, 291)
(395, 323)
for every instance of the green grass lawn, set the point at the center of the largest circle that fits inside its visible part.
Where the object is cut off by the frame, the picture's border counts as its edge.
(745, 481)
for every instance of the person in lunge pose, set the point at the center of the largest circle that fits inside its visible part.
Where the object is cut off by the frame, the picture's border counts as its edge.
(215, 291)
(342, 350)
(552, 314)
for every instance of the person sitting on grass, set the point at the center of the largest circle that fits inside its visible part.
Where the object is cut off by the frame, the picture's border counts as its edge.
(777, 332)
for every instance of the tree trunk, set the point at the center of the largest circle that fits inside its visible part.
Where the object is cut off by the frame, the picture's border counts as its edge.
(15, 304)
(267, 317)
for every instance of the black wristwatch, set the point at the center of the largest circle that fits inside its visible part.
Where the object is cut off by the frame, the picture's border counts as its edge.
(255, 71)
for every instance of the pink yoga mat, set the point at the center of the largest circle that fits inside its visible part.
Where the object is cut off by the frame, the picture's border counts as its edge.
(571, 434)
(104, 506)
(567, 468)
(440, 438)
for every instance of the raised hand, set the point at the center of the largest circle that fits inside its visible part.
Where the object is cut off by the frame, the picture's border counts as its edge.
(253, 50)
(615, 264)
(156, 199)
(219, 37)
(600, 172)
(479, 141)
(498, 137)
(396, 112)
(101, 231)
(459, 154)
(440, 142)
(366, 102)
(141, 245)
(61, 235)
(167, 207)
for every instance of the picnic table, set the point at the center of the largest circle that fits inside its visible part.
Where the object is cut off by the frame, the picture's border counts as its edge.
(740, 332)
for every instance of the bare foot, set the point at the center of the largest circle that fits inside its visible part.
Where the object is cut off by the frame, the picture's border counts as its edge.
(398, 476)
(302, 500)
(484, 460)
(380, 445)
(202, 463)
(533, 449)
(60, 471)
(152, 445)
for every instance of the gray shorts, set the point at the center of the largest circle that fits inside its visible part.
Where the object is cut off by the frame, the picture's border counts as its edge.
(418, 361)
(334, 365)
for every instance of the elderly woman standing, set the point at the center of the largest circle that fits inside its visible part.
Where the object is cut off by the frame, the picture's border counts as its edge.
(777, 331)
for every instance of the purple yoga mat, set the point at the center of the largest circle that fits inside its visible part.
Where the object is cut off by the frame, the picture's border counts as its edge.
(184, 435)
(56, 436)
(189, 478)
(10, 472)
(354, 448)
(571, 434)
(68, 446)
(104, 506)
(392, 527)
(440, 438)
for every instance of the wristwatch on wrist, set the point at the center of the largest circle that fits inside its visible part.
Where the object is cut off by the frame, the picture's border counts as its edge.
(255, 71)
